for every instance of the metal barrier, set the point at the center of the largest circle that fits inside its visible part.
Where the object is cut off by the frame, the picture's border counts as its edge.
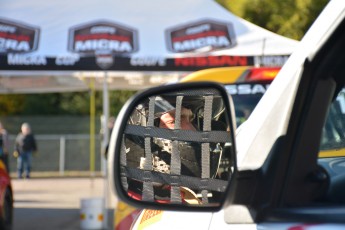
(61, 153)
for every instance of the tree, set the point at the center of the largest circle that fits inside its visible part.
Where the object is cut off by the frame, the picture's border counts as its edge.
(75, 103)
(10, 104)
(117, 99)
(290, 18)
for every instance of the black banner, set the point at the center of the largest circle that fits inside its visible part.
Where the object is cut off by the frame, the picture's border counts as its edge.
(15, 61)
(25, 62)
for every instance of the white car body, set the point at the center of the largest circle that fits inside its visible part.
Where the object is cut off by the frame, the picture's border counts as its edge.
(207, 221)
(268, 121)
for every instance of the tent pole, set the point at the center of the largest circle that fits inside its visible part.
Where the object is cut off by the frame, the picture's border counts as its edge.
(92, 126)
(105, 143)
(105, 127)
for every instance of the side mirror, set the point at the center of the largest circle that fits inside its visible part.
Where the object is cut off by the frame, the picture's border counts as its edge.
(173, 148)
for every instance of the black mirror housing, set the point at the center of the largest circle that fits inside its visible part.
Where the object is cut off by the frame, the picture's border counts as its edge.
(173, 148)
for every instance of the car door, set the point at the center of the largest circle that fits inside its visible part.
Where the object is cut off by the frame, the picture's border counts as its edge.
(280, 179)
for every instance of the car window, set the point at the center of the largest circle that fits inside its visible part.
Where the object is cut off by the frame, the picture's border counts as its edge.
(332, 147)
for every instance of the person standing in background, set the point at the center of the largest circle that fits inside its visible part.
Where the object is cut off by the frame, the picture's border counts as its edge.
(25, 145)
(4, 143)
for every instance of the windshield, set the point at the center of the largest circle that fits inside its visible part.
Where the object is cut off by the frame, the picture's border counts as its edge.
(245, 97)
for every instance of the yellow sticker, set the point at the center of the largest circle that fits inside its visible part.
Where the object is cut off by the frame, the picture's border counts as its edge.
(149, 217)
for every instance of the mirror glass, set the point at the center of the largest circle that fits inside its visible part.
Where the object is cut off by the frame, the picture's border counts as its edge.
(177, 148)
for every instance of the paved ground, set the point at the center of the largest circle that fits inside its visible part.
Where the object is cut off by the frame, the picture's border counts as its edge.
(55, 204)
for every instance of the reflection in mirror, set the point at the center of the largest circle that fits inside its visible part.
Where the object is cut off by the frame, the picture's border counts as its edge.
(176, 148)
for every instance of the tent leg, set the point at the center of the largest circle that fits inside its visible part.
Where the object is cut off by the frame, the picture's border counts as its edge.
(92, 127)
(104, 144)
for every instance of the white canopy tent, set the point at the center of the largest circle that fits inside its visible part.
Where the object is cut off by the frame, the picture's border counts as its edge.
(60, 45)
